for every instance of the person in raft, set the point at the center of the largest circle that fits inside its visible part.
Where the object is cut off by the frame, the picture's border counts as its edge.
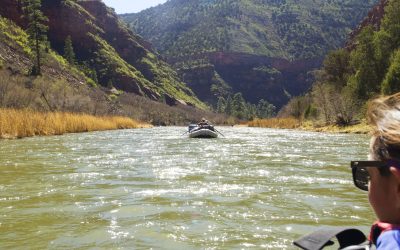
(203, 122)
(380, 176)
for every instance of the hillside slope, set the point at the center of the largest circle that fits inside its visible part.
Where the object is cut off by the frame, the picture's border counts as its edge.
(105, 46)
(291, 37)
(289, 29)
(368, 67)
(77, 87)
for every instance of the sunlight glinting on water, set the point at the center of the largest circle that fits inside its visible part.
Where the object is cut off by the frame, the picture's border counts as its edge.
(153, 188)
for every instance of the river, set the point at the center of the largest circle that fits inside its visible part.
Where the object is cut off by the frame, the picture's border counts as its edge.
(155, 188)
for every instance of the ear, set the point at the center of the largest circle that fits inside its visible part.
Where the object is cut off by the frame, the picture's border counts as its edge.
(396, 173)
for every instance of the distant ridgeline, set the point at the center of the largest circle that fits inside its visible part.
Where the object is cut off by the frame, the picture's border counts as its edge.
(264, 49)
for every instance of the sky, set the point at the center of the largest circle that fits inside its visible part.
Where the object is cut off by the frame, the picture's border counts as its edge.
(131, 6)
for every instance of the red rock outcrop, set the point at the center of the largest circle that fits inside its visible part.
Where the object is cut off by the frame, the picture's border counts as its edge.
(101, 40)
(256, 77)
(373, 19)
(94, 17)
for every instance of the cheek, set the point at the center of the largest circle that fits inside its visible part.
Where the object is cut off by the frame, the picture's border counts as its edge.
(379, 197)
(375, 193)
(372, 194)
(375, 196)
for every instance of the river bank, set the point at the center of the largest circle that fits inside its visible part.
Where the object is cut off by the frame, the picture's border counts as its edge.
(27, 123)
(292, 123)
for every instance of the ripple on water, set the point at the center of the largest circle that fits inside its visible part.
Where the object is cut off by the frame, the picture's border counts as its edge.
(153, 188)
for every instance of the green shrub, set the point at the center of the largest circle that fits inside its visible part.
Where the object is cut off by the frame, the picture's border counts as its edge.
(390, 84)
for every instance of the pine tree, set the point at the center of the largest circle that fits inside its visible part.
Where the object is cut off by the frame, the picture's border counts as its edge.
(265, 109)
(251, 111)
(391, 22)
(228, 106)
(391, 83)
(239, 106)
(69, 53)
(221, 105)
(383, 50)
(36, 30)
(364, 63)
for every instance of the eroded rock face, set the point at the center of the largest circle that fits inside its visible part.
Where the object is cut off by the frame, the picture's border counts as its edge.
(128, 45)
(373, 19)
(95, 29)
(261, 77)
(97, 19)
(256, 77)
(13, 10)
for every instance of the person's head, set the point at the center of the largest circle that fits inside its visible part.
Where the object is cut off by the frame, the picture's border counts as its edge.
(384, 183)
(203, 119)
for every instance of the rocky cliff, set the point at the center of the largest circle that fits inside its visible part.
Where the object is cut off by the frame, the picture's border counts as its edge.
(264, 49)
(373, 19)
(104, 44)
(256, 77)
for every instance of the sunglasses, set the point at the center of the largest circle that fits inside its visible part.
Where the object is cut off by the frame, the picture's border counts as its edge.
(360, 174)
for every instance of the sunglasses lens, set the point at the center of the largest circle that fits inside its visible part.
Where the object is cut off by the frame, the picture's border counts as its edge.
(361, 178)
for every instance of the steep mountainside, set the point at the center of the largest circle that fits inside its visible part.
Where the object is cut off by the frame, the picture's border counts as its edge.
(63, 87)
(369, 66)
(111, 53)
(290, 29)
(373, 19)
(293, 34)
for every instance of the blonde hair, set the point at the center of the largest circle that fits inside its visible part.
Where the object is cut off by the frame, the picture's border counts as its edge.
(384, 116)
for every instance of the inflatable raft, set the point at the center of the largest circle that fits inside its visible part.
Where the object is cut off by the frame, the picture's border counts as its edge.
(207, 131)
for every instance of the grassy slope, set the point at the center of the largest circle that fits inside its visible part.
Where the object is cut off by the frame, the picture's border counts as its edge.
(15, 50)
(165, 80)
(24, 123)
(64, 83)
(292, 123)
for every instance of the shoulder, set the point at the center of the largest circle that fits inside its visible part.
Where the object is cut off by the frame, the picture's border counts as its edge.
(389, 240)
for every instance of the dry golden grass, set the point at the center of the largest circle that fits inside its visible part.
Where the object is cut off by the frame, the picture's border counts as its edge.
(292, 123)
(361, 128)
(284, 123)
(25, 123)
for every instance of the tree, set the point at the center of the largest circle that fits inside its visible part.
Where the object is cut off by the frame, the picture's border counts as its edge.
(391, 23)
(320, 93)
(229, 106)
(221, 105)
(88, 71)
(265, 109)
(364, 62)
(239, 106)
(311, 112)
(348, 105)
(36, 30)
(251, 111)
(337, 68)
(69, 53)
(110, 85)
(391, 83)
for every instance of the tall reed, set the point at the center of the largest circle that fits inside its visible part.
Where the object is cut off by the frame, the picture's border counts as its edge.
(25, 123)
(287, 123)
